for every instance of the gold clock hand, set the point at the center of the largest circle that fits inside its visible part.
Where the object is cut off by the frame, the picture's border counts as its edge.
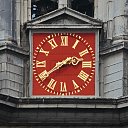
(76, 60)
(69, 60)
(58, 65)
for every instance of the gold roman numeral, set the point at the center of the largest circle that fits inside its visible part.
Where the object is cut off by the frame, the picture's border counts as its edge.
(52, 84)
(86, 64)
(43, 75)
(83, 52)
(40, 64)
(75, 44)
(63, 87)
(64, 40)
(75, 84)
(53, 43)
(45, 52)
(83, 76)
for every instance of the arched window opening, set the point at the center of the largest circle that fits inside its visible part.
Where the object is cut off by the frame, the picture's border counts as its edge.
(41, 7)
(83, 6)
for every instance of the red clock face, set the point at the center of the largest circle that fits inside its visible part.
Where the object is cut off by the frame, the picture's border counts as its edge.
(64, 64)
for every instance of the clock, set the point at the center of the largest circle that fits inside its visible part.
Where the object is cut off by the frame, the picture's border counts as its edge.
(63, 64)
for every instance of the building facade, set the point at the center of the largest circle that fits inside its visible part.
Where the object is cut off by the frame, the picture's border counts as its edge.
(89, 88)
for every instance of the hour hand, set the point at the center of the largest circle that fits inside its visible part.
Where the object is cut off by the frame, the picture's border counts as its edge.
(60, 64)
(76, 60)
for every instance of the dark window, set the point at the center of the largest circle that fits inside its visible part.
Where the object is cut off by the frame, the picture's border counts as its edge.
(83, 6)
(41, 7)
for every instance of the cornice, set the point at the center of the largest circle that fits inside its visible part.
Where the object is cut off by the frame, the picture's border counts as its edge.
(83, 21)
(10, 46)
(42, 102)
(104, 50)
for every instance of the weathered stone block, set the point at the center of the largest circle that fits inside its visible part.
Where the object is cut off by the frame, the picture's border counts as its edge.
(114, 93)
(4, 68)
(111, 86)
(11, 71)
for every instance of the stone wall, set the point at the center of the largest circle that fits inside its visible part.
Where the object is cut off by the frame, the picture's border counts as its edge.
(7, 20)
(113, 67)
(113, 75)
(12, 74)
(63, 113)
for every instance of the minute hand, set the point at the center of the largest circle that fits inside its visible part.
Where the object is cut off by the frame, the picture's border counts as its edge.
(60, 64)
(69, 60)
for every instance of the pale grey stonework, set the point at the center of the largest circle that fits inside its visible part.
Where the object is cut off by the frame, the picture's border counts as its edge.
(7, 19)
(113, 52)
(108, 109)
(14, 69)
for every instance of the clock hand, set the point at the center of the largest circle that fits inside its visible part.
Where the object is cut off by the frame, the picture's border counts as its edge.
(69, 60)
(56, 67)
(60, 64)
(76, 60)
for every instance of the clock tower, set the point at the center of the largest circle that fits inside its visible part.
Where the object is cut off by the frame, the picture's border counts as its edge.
(63, 63)
(64, 57)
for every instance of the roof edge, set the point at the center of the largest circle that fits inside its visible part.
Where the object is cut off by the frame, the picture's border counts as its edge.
(65, 10)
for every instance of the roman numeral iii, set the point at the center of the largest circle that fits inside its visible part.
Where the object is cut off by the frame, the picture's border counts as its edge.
(86, 64)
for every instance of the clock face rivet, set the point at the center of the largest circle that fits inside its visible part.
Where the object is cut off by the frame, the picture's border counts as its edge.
(63, 64)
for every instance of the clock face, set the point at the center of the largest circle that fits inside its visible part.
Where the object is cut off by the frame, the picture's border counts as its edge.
(63, 64)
